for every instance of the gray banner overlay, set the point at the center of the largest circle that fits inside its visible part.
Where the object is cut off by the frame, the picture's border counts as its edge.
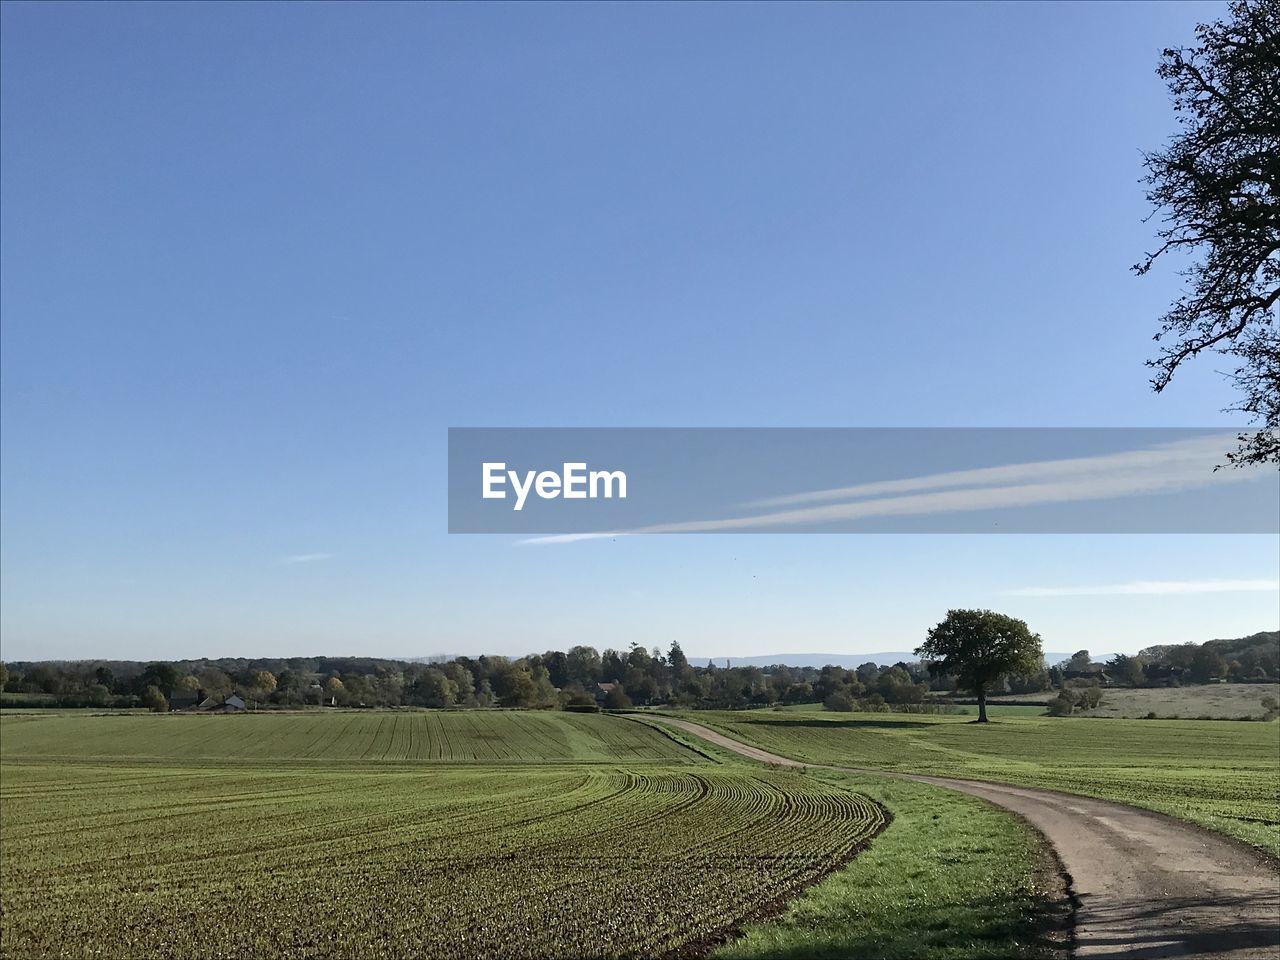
(557, 484)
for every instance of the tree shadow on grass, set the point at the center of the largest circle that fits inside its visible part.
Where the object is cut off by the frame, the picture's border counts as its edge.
(848, 724)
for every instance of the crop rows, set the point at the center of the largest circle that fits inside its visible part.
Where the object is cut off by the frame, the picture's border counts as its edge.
(449, 862)
(1224, 774)
(342, 737)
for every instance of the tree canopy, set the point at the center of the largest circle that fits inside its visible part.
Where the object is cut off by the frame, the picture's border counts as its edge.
(1216, 187)
(561, 678)
(979, 648)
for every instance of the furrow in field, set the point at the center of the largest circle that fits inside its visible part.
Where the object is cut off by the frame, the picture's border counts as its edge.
(518, 861)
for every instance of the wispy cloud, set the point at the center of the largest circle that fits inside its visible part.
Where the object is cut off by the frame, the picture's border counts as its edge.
(1168, 466)
(569, 537)
(1150, 588)
(1160, 469)
(305, 558)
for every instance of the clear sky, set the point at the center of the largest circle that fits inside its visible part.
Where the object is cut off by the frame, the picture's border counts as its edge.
(258, 258)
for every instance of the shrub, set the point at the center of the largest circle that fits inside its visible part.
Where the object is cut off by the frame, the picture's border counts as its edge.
(154, 700)
(1089, 697)
(1063, 705)
(840, 702)
(617, 699)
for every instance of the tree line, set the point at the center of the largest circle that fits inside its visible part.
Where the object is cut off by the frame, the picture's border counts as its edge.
(581, 677)
(1251, 659)
(572, 679)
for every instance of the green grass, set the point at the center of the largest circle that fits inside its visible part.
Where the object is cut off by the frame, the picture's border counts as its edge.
(951, 877)
(343, 737)
(1224, 775)
(334, 834)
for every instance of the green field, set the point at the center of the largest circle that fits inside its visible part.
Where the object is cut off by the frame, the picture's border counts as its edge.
(457, 863)
(342, 736)
(483, 834)
(1221, 774)
(1210, 701)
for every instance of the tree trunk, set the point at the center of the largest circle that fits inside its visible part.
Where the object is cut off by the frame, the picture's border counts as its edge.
(982, 705)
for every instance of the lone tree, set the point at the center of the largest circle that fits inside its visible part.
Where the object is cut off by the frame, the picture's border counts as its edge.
(154, 700)
(1216, 187)
(979, 648)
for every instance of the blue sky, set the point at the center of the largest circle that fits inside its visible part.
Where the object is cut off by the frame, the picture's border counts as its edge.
(257, 259)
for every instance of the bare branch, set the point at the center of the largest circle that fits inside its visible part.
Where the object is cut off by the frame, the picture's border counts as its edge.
(1216, 189)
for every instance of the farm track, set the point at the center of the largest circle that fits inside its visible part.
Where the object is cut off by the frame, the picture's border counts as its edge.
(1145, 885)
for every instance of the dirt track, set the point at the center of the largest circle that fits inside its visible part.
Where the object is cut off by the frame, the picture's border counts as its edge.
(1147, 885)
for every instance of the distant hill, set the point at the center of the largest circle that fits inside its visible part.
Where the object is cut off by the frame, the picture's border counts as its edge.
(848, 660)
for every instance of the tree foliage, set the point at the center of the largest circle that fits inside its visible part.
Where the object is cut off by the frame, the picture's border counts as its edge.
(980, 648)
(617, 699)
(1216, 187)
(1080, 660)
(264, 680)
(556, 679)
(1207, 664)
(154, 700)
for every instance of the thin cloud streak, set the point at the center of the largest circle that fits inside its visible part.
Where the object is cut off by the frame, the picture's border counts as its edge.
(569, 538)
(1151, 588)
(1103, 487)
(1194, 457)
(1162, 469)
(305, 558)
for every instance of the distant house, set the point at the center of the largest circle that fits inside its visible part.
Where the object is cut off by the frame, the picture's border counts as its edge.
(185, 699)
(1094, 671)
(604, 689)
(231, 704)
(1163, 674)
